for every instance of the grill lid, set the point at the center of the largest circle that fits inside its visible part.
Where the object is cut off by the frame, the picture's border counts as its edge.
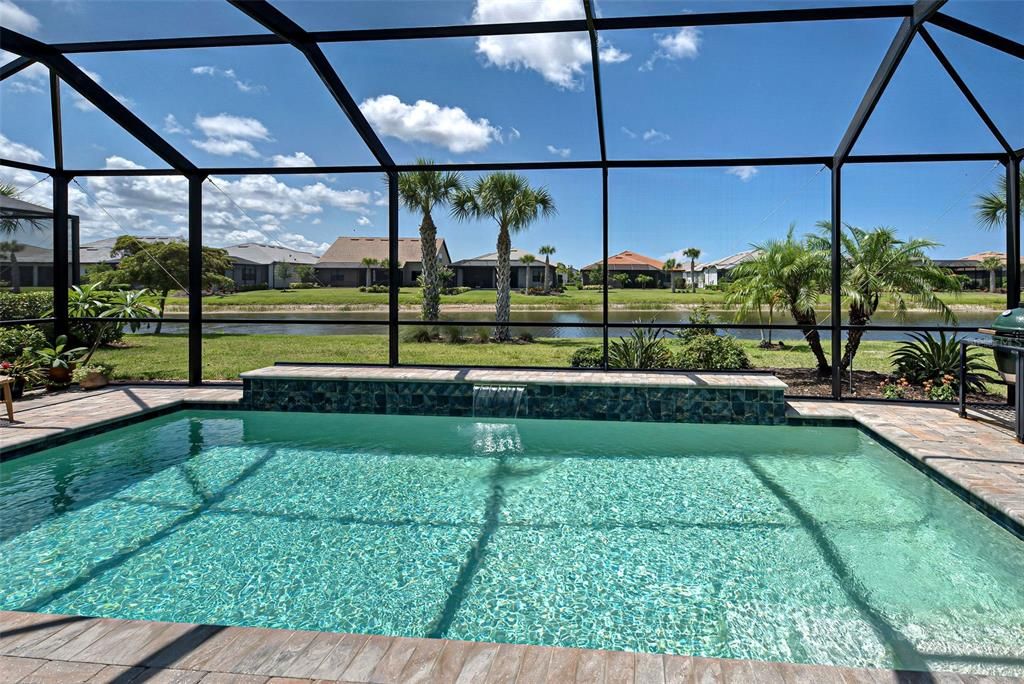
(1010, 323)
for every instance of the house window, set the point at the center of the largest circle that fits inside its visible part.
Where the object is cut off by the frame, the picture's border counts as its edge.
(249, 274)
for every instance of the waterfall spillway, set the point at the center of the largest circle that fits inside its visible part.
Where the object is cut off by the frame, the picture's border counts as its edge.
(497, 401)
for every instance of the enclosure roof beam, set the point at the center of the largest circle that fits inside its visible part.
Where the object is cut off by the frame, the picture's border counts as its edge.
(503, 29)
(595, 63)
(921, 12)
(962, 85)
(993, 40)
(281, 25)
(94, 93)
(15, 66)
(36, 168)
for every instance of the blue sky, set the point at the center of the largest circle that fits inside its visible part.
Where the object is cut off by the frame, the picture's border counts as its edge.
(714, 92)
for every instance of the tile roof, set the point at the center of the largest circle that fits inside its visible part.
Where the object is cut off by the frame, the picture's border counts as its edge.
(350, 251)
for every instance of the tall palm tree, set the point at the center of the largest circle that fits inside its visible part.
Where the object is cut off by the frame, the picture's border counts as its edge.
(990, 208)
(527, 260)
(692, 253)
(369, 263)
(798, 272)
(670, 266)
(759, 289)
(422, 191)
(547, 251)
(508, 199)
(992, 264)
(876, 265)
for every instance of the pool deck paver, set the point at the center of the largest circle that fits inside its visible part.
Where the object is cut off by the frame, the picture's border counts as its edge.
(359, 659)
(983, 458)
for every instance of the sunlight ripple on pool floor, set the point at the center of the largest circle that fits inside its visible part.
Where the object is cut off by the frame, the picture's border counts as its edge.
(784, 543)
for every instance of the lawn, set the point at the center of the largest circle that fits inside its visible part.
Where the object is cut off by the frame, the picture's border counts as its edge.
(165, 357)
(572, 299)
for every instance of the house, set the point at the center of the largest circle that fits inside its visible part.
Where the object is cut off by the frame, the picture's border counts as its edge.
(718, 272)
(342, 264)
(970, 268)
(481, 271)
(630, 263)
(28, 230)
(256, 264)
(98, 252)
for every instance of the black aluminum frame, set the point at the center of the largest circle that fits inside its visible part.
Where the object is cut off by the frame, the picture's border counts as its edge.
(284, 31)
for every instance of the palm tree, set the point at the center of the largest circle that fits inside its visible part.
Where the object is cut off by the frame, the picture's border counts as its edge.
(369, 263)
(797, 271)
(992, 264)
(876, 265)
(547, 251)
(514, 205)
(692, 253)
(422, 191)
(527, 260)
(670, 265)
(990, 208)
(756, 291)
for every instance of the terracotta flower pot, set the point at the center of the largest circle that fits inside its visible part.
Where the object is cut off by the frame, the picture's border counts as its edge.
(93, 381)
(59, 376)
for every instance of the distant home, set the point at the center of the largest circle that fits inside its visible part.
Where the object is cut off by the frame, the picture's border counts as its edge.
(970, 267)
(342, 264)
(31, 264)
(256, 264)
(630, 263)
(481, 271)
(718, 272)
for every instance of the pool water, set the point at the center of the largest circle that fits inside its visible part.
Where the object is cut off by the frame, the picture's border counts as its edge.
(799, 544)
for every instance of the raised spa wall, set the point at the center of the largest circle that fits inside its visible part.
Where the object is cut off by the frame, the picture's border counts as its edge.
(672, 397)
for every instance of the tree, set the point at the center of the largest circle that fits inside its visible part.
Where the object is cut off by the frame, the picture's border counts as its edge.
(622, 279)
(91, 301)
(644, 280)
(369, 263)
(527, 260)
(305, 273)
(508, 199)
(876, 265)
(692, 253)
(670, 266)
(992, 264)
(756, 290)
(9, 227)
(798, 271)
(163, 267)
(422, 191)
(547, 251)
(990, 208)
(283, 273)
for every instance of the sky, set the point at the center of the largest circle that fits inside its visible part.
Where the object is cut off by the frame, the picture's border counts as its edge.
(730, 91)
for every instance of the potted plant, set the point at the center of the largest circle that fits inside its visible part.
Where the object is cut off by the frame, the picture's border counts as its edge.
(59, 360)
(25, 371)
(92, 375)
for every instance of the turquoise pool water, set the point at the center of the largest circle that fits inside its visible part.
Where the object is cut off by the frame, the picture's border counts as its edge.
(796, 544)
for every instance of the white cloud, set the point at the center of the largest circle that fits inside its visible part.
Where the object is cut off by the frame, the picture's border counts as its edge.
(683, 44)
(744, 173)
(364, 221)
(514, 134)
(562, 152)
(628, 132)
(82, 104)
(559, 57)
(297, 159)
(424, 121)
(14, 150)
(228, 135)
(243, 86)
(171, 125)
(14, 17)
(654, 135)
(302, 243)
(25, 86)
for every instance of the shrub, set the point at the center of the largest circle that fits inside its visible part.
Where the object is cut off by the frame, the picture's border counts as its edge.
(642, 349)
(927, 358)
(374, 288)
(455, 290)
(701, 315)
(894, 390)
(252, 288)
(417, 334)
(14, 341)
(525, 336)
(711, 352)
(302, 286)
(22, 305)
(587, 357)
(452, 334)
(591, 287)
(941, 391)
(481, 336)
(82, 372)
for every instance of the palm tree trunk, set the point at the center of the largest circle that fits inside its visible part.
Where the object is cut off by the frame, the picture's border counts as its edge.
(368, 272)
(807, 322)
(771, 319)
(693, 275)
(992, 280)
(858, 317)
(15, 275)
(163, 301)
(503, 273)
(526, 288)
(547, 274)
(431, 288)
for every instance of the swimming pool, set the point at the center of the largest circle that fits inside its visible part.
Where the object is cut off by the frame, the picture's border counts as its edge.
(801, 544)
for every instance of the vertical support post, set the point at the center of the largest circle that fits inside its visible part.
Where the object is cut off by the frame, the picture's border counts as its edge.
(836, 281)
(392, 268)
(76, 257)
(961, 380)
(1013, 236)
(195, 280)
(604, 270)
(60, 253)
(1019, 395)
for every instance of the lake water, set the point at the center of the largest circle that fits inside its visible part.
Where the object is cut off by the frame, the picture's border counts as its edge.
(566, 324)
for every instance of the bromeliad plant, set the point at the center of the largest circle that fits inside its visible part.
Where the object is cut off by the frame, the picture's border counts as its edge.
(643, 349)
(931, 359)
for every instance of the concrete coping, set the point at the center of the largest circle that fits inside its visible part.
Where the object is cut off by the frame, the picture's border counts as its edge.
(757, 381)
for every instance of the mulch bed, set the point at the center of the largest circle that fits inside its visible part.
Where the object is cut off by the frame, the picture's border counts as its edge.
(807, 383)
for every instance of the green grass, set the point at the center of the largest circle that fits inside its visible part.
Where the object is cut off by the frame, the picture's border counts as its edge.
(164, 357)
(572, 299)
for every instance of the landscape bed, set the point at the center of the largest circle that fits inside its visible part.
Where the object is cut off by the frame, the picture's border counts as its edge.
(805, 544)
